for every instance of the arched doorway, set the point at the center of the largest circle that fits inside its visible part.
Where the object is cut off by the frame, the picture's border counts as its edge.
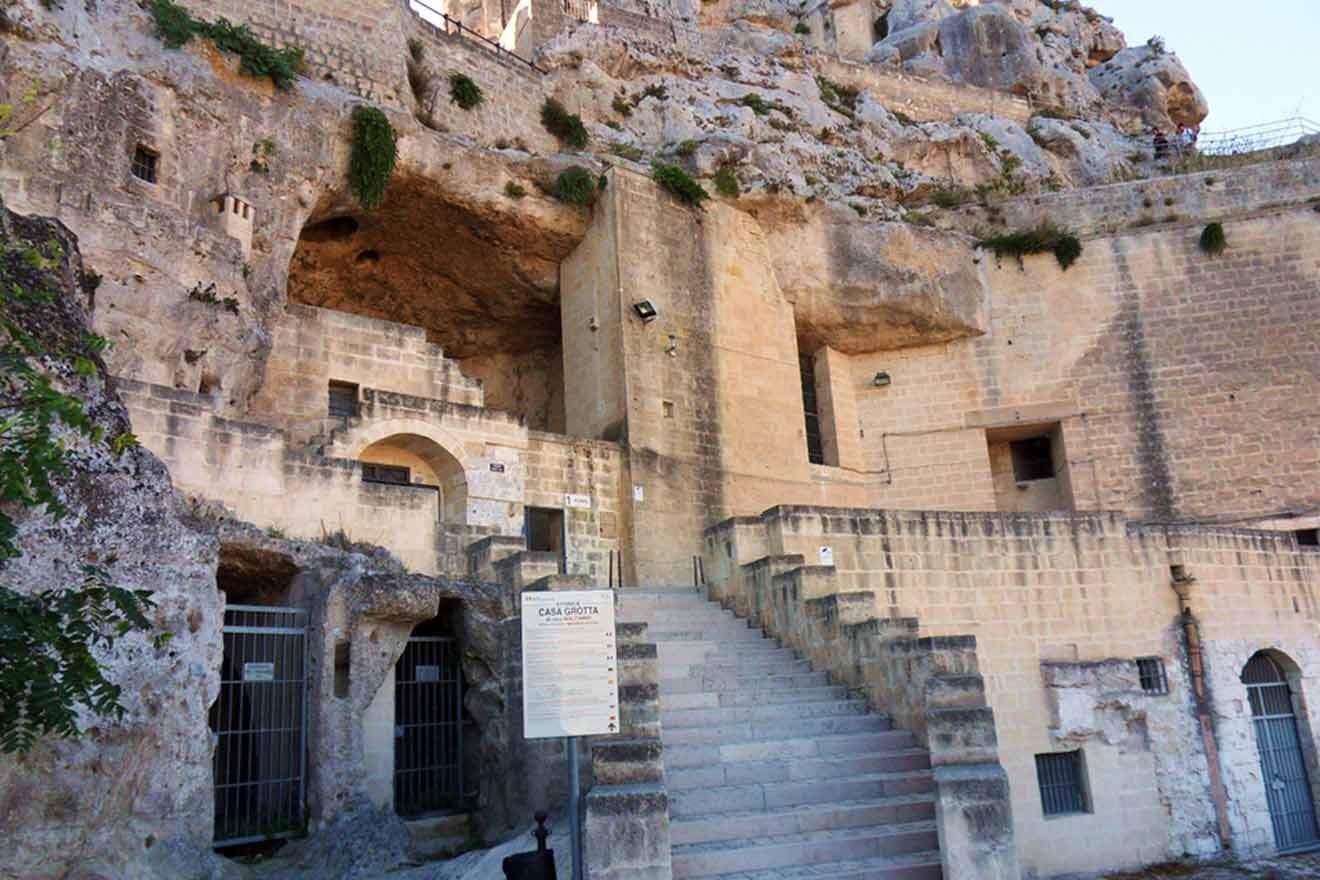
(411, 459)
(1282, 765)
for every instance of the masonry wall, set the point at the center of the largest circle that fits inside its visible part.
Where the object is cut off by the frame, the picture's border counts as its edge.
(559, 467)
(1061, 605)
(1179, 380)
(312, 346)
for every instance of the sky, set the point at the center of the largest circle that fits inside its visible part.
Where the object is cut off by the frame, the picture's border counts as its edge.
(1255, 62)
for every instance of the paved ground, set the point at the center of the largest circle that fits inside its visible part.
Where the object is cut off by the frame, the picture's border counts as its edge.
(1304, 867)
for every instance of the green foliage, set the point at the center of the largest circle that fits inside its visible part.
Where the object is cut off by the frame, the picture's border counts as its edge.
(903, 118)
(416, 49)
(514, 190)
(951, 196)
(48, 671)
(464, 92)
(626, 151)
(566, 126)
(575, 186)
(262, 152)
(758, 104)
(123, 441)
(801, 28)
(374, 152)
(1065, 246)
(207, 295)
(838, 97)
(1212, 240)
(655, 90)
(678, 183)
(686, 148)
(176, 27)
(726, 182)
(274, 532)
(1055, 113)
(621, 106)
(991, 143)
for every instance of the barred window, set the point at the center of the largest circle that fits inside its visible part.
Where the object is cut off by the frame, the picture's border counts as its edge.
(1151, 672)
(343, 400)
(144, 164)
(1062, 790)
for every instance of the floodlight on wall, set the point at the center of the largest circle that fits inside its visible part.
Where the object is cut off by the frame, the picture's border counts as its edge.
(646, 310)
(881, 380)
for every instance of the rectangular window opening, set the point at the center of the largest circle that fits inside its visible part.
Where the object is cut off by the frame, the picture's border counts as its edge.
(1151, 672)
(343, 400)
(811, 408)
(1033, 459)
(145, 162)
(1308, 537)
(1062, 789)
(386, 473)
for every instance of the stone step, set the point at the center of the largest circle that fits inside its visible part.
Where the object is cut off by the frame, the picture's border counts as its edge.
(780, 749)
(706, 613)
(795, 769)
(773, 795)
(693, 632)
(719, 665)
(808, 848)
(674, 719)
(913, 866)
(749, 731)
(715, 699)
(746, 683)
(803, 818)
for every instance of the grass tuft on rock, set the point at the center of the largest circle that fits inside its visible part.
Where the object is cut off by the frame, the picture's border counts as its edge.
(679, 183)
(176, 27)
(566, 126)
(464, 92)
(374, 152)
(1065, 246)
(726, 182)
(575, 186)
(1213, 243)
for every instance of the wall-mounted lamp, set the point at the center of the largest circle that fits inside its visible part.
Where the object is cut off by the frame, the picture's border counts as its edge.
(881, 380)
(672, 350)
(646, 310)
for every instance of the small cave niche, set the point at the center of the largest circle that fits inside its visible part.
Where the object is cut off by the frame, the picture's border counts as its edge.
(483, 285)
(254, 576)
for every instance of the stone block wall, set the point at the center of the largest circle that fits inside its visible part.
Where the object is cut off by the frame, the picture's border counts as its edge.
(310, 347)
(557, 467)
(1045, 592)
(357, 44)
(923, 99)
(1175, 378)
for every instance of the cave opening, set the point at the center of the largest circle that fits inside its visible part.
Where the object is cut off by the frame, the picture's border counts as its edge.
(484, 285)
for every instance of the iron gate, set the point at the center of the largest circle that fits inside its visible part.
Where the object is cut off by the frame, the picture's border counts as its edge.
(1287, 789)
(428, 727)
(259, 727)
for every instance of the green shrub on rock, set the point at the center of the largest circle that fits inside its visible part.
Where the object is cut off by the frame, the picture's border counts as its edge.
(372, 159)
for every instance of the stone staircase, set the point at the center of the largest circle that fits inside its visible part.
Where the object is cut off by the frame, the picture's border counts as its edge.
(772, 773)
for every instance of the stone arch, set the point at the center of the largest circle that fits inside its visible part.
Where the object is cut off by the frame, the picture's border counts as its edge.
(434, 457)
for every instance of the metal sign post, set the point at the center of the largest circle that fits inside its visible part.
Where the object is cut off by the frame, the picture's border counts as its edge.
(570, 678)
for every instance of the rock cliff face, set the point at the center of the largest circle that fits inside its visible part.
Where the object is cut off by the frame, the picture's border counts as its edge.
(126, 798)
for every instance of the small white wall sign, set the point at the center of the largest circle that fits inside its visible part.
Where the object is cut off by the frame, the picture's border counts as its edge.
(639, 493)
(258, 671)
(580, 501)
(826, 555)
(570, 665)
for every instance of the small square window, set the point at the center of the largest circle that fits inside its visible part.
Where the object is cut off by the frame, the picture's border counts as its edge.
(667, 407)
(145, 162)
(1032, 459)
(1308, 537)
(1062, 790)
(1151, 672)
(343, 400)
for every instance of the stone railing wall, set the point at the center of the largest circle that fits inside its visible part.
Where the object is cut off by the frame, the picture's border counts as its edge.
(929, 686)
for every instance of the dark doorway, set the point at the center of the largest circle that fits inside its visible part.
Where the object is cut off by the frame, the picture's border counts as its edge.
(1283, 769)
(428, 723)
(543, 527)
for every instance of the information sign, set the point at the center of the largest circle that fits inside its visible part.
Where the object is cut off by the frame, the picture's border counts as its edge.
(570, 665)
(258, 671)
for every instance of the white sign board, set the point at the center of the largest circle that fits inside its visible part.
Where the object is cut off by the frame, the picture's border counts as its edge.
(570, 665)
(582, 501)
(258, 671)
(826, 555)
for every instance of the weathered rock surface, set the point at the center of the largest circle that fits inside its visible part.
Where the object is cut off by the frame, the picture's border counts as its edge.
(131, 798)
(1156, 84)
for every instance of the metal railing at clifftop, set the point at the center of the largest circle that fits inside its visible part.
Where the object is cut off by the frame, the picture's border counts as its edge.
(440, 21)
(1254, 138)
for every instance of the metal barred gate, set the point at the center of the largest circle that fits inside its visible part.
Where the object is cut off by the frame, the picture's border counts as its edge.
(428, 727)
(259, 726)
(1287, 788)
